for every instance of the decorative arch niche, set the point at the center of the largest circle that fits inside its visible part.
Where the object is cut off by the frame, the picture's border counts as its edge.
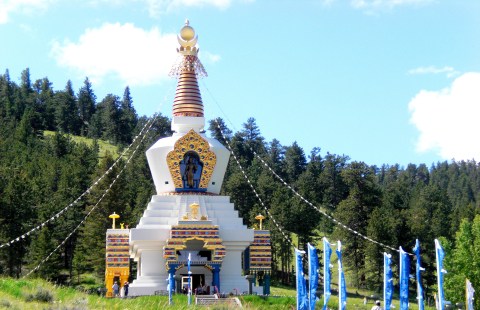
(191, 153)
(204, 237)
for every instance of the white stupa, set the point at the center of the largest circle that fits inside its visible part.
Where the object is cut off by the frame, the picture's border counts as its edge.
(187, 216)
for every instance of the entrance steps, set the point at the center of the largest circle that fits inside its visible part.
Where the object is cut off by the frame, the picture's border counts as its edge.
(207, 300)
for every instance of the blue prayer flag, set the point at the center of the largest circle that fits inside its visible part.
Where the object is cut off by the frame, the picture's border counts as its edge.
(302, 301)
(342, 293)
(189, 288)
(418, 270)
(312, 275)
(327, 253)
(387, 281)
(440, 255)
(404, 278)
(470, 293)
(170, 288)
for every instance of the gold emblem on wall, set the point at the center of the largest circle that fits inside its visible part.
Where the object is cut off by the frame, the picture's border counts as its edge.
(191, 142)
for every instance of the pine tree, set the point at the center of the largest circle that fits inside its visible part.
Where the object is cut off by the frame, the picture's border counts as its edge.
(92, 236)
(295, 162)
(15, 214)
(66, 116)
(247, 141)
(464, 261)
(281, 249)
(44, 103)
(86, 106)
(128, 117)
(355, 212)
(276, 157)
(6, 94)
(331, 184)
(23, 96)
(109, 110)
(382, 226)
(428, 218)
(222, 133)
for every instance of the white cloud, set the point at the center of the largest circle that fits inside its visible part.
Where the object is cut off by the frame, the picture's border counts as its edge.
(448, 119)
(449, 71)
(134, 55)
(374, 5)
(27, 7)
(209, 57)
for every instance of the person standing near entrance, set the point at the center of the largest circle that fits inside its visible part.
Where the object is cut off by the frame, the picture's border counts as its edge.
(125, 288)
(116, 289)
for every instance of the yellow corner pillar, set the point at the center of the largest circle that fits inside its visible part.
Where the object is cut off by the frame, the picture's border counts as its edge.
(117, 256)
(118, 274)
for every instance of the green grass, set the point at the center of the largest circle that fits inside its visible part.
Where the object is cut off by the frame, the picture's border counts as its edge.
(282, 291)
(36, 293)
(105, 146)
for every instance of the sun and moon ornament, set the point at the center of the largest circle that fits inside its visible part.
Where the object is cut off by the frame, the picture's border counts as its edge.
(189, 60)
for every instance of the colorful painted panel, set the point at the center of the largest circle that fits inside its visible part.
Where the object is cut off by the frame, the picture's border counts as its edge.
(117, 250)
(180, 234)
(261, 251)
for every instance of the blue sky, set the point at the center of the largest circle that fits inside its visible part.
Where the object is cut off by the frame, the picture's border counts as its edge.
(382, 81)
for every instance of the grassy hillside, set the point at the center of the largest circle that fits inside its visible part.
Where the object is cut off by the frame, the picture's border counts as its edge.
(40, 294)
(105, 146)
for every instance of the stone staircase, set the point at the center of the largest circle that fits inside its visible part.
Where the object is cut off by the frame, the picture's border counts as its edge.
(208, 300)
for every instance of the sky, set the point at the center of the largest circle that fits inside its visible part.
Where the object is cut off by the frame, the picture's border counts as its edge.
(381, 81)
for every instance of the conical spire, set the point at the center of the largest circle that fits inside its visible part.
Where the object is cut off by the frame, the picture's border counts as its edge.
(188, 100)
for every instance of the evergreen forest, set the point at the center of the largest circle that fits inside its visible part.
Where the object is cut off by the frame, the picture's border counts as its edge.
(41, 175)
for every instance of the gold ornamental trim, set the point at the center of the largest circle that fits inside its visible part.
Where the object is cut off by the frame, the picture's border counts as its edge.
(191, 141)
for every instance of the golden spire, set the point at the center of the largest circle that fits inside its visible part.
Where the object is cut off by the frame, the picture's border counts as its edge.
(188, 100)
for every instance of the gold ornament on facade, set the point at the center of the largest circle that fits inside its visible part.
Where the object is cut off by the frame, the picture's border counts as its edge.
(191, 141)
(194, 207)
(194, 214)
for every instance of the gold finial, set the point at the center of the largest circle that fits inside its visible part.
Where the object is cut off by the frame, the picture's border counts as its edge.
(187, 40)
(261, 218)
(187, 33)
(113, 217)
(121, 225)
